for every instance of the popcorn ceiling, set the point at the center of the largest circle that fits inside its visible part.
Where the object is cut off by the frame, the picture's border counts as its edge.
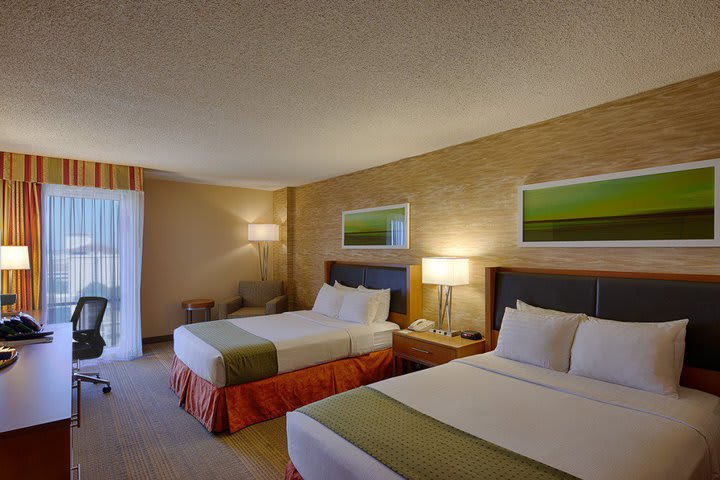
(268, 94)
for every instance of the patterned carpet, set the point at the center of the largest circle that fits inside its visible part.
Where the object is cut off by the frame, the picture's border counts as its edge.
(137, 431)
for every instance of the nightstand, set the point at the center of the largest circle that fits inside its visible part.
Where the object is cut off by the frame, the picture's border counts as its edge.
(431, 349)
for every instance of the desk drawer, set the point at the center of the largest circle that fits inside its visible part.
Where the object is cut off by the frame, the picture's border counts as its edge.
(422, 351)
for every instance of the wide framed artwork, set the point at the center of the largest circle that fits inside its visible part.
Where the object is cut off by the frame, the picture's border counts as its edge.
(673, 206)
(386, 227)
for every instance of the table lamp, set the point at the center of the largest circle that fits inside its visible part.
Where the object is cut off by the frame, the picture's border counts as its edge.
(13, 258)
(446, 273)
(263, 233)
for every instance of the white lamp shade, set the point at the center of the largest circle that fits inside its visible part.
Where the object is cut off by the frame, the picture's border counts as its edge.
(14, 258)
(263, 232)
(445, 271)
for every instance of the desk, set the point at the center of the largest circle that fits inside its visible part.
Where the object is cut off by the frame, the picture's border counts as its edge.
(36, 399)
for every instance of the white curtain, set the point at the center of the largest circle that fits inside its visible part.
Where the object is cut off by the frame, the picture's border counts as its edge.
(132, 206)
(92, 246)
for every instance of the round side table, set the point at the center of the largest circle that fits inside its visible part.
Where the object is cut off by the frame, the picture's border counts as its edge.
(197, 304)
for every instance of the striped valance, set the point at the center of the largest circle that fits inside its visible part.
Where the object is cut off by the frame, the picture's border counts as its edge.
(35, 168)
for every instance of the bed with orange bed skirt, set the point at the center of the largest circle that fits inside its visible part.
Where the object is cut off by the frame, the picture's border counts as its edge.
(232, 408)
(291, 472)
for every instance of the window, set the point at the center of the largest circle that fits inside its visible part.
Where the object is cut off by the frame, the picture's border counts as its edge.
(92, 246)
(82, 258)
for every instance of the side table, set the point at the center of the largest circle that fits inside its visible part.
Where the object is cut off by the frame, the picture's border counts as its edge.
(197, 304)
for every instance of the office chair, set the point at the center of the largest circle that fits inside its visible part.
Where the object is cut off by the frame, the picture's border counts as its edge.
(88, 344)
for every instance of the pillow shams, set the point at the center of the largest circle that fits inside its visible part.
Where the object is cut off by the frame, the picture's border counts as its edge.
(646, 356)
(526, 307)
(358, 307)
(328, 301)
(542, 340)
(344, 288)
(383, 299)
(642, 355)
(383, 310)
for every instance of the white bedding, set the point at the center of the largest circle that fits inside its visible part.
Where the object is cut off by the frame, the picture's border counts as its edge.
(588, 428)
(302, 339)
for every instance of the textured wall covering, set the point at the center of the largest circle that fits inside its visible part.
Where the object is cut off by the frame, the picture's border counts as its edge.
(464, 198)
(282, 251)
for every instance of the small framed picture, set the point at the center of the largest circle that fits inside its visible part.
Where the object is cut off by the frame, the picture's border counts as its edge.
(384, 227)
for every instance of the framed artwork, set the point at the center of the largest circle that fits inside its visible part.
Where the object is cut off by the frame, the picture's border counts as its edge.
(674, 206)
(380, 227)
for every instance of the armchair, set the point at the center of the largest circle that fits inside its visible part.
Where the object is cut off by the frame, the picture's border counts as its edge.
(254, 298)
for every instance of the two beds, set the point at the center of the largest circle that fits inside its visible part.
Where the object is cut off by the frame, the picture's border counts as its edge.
(290, 359)
(490, 417)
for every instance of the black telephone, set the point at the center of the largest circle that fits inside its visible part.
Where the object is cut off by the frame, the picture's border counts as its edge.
(29, 321)
(22, 327)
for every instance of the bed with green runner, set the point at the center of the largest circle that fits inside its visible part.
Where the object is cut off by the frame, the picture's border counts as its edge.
(486, 417)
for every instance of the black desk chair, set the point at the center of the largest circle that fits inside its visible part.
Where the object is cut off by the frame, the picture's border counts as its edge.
(88, 344)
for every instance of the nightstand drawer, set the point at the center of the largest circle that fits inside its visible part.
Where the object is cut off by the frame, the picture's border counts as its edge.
(422, 351)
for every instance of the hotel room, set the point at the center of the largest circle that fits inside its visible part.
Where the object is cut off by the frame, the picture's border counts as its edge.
(370, 240)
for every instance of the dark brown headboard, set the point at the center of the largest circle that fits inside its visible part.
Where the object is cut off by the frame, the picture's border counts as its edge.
(404, 282)
(623, 296)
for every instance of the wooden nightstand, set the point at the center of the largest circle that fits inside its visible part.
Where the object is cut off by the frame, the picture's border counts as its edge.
(431, 349)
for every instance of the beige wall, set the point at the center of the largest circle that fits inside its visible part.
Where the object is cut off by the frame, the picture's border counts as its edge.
(464, 198)
(195, 245)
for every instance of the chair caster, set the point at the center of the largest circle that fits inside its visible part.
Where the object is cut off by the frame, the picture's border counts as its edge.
(107, 389)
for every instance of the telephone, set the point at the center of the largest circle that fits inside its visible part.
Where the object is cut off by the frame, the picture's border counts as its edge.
(29, 321)
(421, 325)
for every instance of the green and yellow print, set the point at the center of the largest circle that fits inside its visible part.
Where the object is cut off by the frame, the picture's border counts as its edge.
(664, 206)
(375, 228)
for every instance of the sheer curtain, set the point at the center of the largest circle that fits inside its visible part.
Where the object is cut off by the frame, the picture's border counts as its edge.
(92, 246)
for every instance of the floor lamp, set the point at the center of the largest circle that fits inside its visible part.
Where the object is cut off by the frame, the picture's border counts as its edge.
(263, 233)
(13, 258)
(446, 273)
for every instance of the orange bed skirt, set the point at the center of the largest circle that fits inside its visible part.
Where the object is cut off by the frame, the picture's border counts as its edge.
(235, 407)
(291, 472)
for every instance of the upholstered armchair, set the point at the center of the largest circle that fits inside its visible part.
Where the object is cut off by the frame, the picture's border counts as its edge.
(254, 298)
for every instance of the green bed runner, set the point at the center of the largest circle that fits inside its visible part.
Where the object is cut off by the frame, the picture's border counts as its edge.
(247, 357)
(417, 446)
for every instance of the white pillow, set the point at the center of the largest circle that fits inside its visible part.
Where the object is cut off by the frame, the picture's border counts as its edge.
(542, 340)
(383, 311)
(526, 307)
(646, 356)
(328, 301)
(358, 307)
(344, 288)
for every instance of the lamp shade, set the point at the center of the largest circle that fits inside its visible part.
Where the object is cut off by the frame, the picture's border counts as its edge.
(263, 232)
(446, 271)
(14, 258)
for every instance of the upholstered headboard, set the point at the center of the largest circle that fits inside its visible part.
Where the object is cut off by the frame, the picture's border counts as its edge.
(404, 282)
(623, 296)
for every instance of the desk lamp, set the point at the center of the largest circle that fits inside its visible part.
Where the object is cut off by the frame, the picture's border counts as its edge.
(446, 273)
(13, 258)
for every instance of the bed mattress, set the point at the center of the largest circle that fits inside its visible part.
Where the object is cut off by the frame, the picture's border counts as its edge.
(302, 339)
(587, 428)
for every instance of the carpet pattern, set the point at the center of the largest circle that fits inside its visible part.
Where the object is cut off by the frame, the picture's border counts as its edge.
(137, 431)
